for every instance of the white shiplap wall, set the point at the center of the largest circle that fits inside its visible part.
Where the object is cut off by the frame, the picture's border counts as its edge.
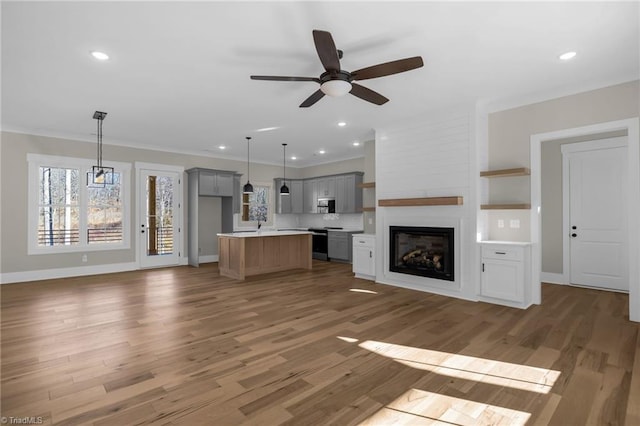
(430, 157)
(424, 159)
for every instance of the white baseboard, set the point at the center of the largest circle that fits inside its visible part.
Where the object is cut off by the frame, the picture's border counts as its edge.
(552, 278)
(49, 274)
(208, 259)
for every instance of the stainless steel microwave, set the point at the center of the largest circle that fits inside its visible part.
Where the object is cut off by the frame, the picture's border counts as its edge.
(326, 205)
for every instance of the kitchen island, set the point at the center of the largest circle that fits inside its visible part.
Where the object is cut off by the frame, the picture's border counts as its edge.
(243, 254)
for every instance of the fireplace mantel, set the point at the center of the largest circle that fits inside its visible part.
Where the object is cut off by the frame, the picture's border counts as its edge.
(428, 201)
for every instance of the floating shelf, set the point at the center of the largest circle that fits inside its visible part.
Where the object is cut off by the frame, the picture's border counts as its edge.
(368, 209)
(367, 185)
(520, 171)
(505, 206)
(430, 201)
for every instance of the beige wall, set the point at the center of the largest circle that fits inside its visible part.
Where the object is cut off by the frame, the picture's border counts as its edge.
(509, 146)
(14, 179)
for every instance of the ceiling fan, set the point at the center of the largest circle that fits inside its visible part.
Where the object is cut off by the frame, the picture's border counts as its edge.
(337, 82)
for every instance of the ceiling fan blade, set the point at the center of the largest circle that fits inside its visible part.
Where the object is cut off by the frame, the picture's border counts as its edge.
(279, 78)
(315, 97)
(388, 68)
(326, 49)
(367, 94)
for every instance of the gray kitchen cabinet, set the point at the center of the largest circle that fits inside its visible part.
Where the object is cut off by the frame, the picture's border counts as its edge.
(310, 204)
(292, 203)
(215, 183)
(339, 245)
(348, 196)
(297, 196)
(326, 187)
(210, 183)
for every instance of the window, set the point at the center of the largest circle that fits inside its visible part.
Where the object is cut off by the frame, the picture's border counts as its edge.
(65, 214)
(257, 206)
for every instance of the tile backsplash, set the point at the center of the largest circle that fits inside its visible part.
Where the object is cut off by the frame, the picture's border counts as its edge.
(351, 221)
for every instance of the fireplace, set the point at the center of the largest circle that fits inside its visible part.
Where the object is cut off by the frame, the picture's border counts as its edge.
(423, 251)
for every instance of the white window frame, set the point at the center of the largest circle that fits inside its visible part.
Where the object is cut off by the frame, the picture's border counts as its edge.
(35, 161)
(270, 208)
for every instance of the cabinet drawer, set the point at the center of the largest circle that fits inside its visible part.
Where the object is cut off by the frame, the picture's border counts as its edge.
(502, 252)
(363, 241)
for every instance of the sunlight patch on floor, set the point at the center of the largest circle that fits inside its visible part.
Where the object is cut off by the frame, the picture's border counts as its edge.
(416, 406)
(359, 290)
(517, 376)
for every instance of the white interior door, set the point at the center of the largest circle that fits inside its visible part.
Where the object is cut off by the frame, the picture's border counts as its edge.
(159, 217)
(598, 214)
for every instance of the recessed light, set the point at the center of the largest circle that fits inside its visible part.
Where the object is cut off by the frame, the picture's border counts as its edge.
(294, 158)
(222, 147)
(322, 151)
(342, 124)
(266, 129)
(101, 56)
(356, 144)
(568, 55)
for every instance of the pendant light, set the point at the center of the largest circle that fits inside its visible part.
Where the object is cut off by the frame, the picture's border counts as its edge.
(247, 188)
(284, 189)
(100, 176)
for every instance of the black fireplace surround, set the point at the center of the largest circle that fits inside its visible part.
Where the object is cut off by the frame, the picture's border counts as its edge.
(423, 251)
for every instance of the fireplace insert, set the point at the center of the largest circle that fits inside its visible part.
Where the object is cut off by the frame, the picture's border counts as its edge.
(423, 251)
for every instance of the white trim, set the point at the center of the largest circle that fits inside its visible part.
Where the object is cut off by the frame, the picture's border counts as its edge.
(178, 216)
(34, 162)
(502, 104)
(77, 271)
(552, 278)
(208, 259)
(632, 125)
(567, 150)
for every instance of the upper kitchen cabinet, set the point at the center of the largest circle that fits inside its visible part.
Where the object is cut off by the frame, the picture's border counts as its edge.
(326, 187)
(310, 203)
(215, 183)
(347, 193)
(292, 203)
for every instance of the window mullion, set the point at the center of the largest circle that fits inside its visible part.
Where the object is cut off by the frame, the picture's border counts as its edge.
(83, 207)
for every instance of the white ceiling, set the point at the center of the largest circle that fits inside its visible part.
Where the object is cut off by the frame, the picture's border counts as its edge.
(178, 76)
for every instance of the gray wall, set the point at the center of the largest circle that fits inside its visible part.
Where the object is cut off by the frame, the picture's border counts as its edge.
(509, 146)
(14, 182)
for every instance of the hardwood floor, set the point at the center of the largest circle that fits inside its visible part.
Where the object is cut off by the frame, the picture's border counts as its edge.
(184, 346)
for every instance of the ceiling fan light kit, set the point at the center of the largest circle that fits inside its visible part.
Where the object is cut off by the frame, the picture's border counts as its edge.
(336, 82)
(335, 87)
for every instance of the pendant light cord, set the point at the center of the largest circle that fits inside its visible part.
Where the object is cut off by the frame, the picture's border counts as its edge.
(99, 133)
(248, 173)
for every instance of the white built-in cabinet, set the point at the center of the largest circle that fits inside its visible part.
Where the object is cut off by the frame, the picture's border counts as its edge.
(506, 273)
(364, 256)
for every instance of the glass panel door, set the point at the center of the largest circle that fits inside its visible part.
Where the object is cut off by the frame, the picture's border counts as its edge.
(159, 227)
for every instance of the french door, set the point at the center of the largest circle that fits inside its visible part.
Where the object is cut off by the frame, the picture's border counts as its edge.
(159, 216)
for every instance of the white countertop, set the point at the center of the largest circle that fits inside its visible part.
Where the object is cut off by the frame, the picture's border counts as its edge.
(345, 230)
(256, 234)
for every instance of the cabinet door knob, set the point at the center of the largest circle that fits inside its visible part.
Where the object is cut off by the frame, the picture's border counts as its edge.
(574, 235)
